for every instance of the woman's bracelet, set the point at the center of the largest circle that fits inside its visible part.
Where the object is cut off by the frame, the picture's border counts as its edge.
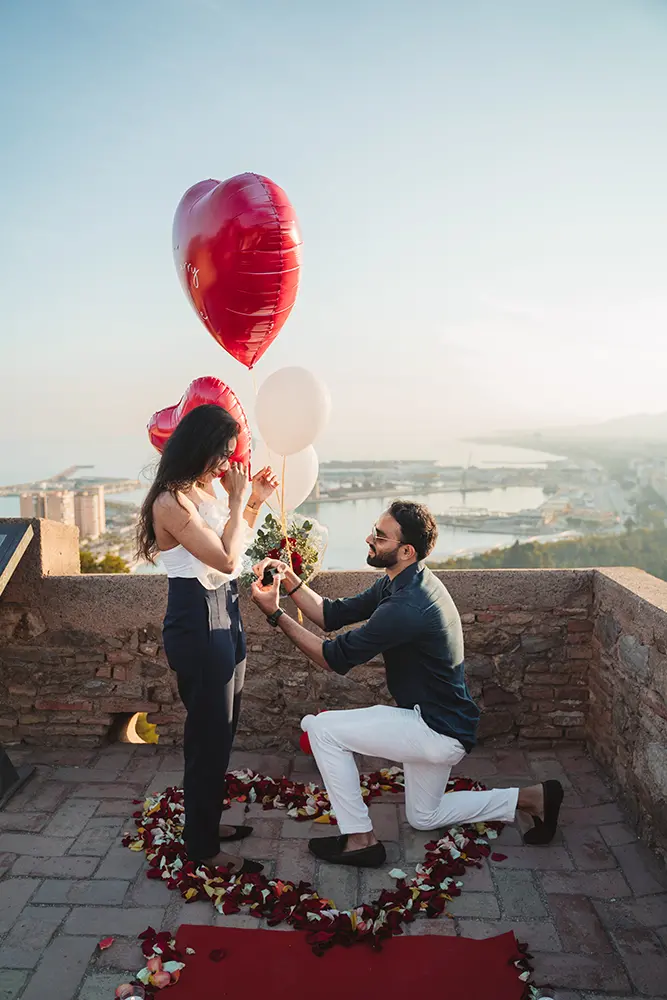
(290, 592)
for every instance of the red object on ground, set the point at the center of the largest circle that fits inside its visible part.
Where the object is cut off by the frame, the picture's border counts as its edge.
(237, 248)
(304, 742)
(263, 963)
(202, 390)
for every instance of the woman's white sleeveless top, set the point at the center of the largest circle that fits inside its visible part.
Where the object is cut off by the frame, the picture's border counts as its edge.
(179, 562)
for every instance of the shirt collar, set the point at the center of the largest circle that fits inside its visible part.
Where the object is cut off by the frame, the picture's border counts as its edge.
(405, 577)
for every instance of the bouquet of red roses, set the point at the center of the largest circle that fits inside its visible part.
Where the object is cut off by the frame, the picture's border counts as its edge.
(304, 546)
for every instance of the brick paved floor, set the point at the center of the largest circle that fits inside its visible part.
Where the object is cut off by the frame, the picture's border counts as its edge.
(592, 906)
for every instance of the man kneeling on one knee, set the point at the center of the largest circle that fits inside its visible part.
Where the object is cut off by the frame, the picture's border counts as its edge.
(411, 620)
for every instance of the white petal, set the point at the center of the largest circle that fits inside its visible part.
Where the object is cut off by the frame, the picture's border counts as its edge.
(397, 873)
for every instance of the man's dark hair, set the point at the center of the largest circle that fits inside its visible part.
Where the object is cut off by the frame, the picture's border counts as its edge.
(418, 527)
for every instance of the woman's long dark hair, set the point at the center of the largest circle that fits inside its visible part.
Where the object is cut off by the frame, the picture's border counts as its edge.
(197, 444)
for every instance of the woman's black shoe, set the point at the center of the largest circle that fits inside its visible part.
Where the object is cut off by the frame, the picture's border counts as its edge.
(240, 833)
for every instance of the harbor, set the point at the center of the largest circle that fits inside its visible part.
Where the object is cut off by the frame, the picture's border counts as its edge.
(488, 505)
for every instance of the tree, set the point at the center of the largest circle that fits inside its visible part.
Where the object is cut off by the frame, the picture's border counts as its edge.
(113, 564)
(109, 563)
(88, 562)
(645, 548)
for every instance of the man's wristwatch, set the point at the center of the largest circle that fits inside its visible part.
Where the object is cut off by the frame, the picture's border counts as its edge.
(272, 619)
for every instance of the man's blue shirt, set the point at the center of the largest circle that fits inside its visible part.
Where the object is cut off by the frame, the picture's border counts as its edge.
(413, 622)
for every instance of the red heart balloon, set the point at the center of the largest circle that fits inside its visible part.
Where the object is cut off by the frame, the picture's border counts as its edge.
(202, 390)
(237, 248)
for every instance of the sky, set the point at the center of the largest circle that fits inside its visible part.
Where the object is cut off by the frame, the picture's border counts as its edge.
(480, 187)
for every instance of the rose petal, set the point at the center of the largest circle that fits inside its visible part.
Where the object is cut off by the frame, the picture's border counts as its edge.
(173, 966)
(105, 943)
(498, 857)
(397, 873)
(437, 879)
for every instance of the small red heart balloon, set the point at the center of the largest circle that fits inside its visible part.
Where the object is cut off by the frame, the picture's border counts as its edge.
(202, 390)
(237, 248)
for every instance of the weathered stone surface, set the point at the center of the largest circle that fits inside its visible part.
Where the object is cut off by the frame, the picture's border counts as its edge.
(627, 713)
(633, 656)
(567, 915)
(539, 643)
(607, 629)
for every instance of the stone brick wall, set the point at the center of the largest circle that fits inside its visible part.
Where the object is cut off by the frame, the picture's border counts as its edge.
(528, 647)
(75, 651)
(628, 692)
(552, 655)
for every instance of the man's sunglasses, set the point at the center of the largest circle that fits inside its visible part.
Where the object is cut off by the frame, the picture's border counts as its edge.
(381, 537)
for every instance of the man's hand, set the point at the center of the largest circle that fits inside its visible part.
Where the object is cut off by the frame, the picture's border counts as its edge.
(276, 565)
(267, 599)
(306, 600)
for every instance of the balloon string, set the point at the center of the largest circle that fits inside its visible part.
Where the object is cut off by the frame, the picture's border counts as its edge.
(283, 512)
(254, 388)
(268, 503)
(283, 518)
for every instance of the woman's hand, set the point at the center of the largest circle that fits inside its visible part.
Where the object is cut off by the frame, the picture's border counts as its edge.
(235, 482)
(264, 483)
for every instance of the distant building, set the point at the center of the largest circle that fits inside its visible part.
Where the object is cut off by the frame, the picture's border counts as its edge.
(85, 508)
(59, 506)
(89, 512)
(33, 505)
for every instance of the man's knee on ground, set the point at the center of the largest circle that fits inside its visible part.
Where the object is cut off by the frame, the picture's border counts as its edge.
(419, 819)
(312, 725)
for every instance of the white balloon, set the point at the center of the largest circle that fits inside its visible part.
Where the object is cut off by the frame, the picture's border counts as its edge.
(292, 408)
(301, 471)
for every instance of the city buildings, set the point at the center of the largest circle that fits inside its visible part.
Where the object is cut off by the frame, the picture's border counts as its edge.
(85, 508)
(89, 512)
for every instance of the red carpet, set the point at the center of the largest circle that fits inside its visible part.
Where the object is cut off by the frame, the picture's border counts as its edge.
(280, 965)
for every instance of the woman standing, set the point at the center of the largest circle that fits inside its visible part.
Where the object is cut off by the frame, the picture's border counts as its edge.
(201, 541)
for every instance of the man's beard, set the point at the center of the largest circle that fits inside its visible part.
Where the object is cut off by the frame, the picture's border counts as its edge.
(381, 562)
